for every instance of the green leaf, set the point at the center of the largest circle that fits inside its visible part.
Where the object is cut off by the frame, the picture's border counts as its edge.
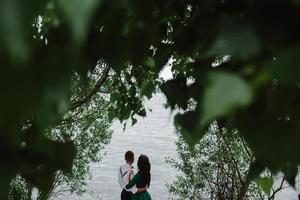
(266, 184)
(255, 169)
(297, 2)
(142, 113)
(16, 17)
(5, 184)
(285, 66)
(53, 103)
(134, 121)
(225, 93)
(187, 124)
(11, 31)
(176, 92)
(148, 88)
(290, 175)
(238, 41)
(78, 14)
(150, 62)
(65, 154)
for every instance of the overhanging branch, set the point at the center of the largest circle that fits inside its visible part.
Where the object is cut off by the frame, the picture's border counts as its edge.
(75, 104)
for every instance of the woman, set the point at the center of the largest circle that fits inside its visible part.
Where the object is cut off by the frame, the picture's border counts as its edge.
(141, 179)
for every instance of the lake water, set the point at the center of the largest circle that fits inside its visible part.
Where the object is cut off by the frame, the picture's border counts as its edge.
(153, 136)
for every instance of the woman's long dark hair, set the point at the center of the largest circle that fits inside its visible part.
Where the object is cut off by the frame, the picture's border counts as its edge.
(144, 168)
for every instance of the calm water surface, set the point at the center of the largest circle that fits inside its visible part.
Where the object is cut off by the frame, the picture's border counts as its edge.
(153, 136)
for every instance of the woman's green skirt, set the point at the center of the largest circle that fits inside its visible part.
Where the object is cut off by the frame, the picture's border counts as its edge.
(141, 196)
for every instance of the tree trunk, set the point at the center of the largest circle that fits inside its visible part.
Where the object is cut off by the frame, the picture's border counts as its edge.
(243, 190)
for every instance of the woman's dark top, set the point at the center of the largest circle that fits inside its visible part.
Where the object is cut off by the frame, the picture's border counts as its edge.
(140, 183)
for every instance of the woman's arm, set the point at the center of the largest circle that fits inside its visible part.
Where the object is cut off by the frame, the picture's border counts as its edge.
(132, 182)
(126, 177)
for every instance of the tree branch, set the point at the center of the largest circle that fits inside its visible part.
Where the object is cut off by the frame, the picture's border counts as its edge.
(278, 189)
(246, 148)
(75, 104)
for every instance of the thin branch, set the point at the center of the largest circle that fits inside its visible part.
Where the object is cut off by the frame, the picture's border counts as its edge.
(232, 156)
(105, 92)
(278, 189)
(71, 120)
(246, 147)
(75, 104)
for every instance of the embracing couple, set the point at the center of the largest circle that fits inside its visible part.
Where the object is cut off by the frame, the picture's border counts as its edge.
(134, 187)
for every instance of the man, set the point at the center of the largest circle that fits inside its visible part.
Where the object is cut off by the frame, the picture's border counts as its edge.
(122, 171)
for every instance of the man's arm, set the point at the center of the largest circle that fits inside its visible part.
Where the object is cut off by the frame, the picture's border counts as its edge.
(120, 179)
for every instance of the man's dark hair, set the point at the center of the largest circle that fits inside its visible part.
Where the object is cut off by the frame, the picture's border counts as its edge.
(129, 156)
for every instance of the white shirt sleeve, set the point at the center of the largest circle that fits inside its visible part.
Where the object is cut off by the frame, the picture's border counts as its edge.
(126, 179)
(120, 179)
(133, 189)
(123, 180)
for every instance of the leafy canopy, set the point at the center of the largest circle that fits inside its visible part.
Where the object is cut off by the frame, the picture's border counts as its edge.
(256, 91)
(217, 168)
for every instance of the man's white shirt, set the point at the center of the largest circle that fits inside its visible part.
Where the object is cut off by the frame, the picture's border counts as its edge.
(122, 171)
